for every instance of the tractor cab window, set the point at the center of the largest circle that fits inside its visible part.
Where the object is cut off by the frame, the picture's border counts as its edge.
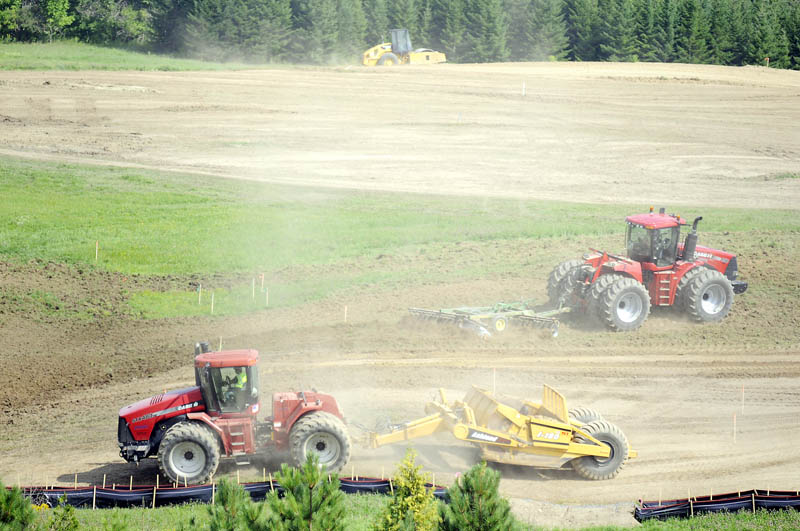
(638, 243)
(235, 388)
(665, 246)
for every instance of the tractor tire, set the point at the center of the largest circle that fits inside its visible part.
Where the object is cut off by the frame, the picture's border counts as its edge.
(556, 279)
(189, 453)
(624, 305)
(709, 296)
(499, 324)
(584, 415)
(388, 59)
(597, 291)
(601, 468)
(682, 291)
(323, 434)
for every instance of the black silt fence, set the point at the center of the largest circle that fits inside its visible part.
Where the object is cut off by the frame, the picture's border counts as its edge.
(749, 500)
(142, 495)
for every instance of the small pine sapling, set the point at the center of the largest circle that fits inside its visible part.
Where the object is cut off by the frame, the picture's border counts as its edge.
(16, 512)
(231, 502)
(476, 504)
(311, 499)
(413, 505)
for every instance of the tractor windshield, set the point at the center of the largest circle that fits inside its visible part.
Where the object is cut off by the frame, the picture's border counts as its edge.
(658, 246)
(235, 388)
(638, 243)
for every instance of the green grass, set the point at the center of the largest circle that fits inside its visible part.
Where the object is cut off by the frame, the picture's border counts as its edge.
(309, 243)
(361, 512)
(761, 519)
(363, 509)
(71, 55)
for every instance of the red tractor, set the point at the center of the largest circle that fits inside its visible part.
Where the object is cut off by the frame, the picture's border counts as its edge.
(657, 270)
(188, 430)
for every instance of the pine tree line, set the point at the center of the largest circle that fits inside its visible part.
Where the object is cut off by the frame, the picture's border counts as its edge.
(727, 32)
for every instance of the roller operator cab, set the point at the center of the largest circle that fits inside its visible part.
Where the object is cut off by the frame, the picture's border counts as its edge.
(189, 430)
(657, 269)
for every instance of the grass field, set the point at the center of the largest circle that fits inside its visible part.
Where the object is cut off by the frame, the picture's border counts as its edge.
(151, 223)
(71, 55)
(363, 509)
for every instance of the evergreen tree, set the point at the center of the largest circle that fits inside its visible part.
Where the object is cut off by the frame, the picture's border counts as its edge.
(351, 26)
(413, 505)
(231, 503)
(647, 29)
(546, 33)
(666, 27)
(487, 29)
(16, 512)
(405, 14)
(518, 13)
(452, 38)
(793, 34)
(583, 26)
(311, 500)
(169, 21)
(425, 31)
(475, 503)
(377, 21)
(323, 31)
(617, 35)
(768, 37)
(722, 32)
(693, 34)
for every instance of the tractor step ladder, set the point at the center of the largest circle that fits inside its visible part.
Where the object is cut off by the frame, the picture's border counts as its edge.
(664, 280)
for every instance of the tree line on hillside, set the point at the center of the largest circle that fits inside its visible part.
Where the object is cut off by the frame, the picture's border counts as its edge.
(727, 32)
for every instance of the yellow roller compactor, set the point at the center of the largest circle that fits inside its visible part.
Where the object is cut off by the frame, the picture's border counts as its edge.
(400, 52)
(544, 435)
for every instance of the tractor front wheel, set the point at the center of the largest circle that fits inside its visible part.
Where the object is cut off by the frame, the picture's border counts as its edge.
(600, 468)
(709, 296)
(322, 434)
(624, 306)
(189, 453)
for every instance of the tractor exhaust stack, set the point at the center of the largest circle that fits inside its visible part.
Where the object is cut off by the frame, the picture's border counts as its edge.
(691, 241)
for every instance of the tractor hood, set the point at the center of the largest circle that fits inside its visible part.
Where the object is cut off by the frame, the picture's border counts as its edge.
(144, 414)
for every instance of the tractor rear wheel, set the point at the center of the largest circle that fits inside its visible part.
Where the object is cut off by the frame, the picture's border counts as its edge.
(624, 305)
(584, 414)
(599, 468)
(556, 279)
(322, 434)
(709, 296)
(188, 453)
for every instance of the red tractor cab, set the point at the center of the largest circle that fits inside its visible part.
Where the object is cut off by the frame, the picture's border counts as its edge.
(657, 269)
(189, 430)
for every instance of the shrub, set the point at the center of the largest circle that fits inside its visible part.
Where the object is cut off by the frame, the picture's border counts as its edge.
(476, 504)
(231, 502)
(64, 517)
(413, 505)
(16, 512)
(310, 500)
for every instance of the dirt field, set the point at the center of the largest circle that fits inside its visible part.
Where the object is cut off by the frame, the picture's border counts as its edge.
(585, 132)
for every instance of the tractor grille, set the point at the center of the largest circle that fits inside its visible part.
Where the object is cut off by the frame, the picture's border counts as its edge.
(124, 435)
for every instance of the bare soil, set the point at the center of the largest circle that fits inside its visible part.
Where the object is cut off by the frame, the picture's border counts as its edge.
(587, 132)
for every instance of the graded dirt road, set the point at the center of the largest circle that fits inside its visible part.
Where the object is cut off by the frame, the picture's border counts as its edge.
(586, 132)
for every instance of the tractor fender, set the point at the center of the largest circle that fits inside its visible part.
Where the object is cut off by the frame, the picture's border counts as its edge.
(629, 269)
(160, 429)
